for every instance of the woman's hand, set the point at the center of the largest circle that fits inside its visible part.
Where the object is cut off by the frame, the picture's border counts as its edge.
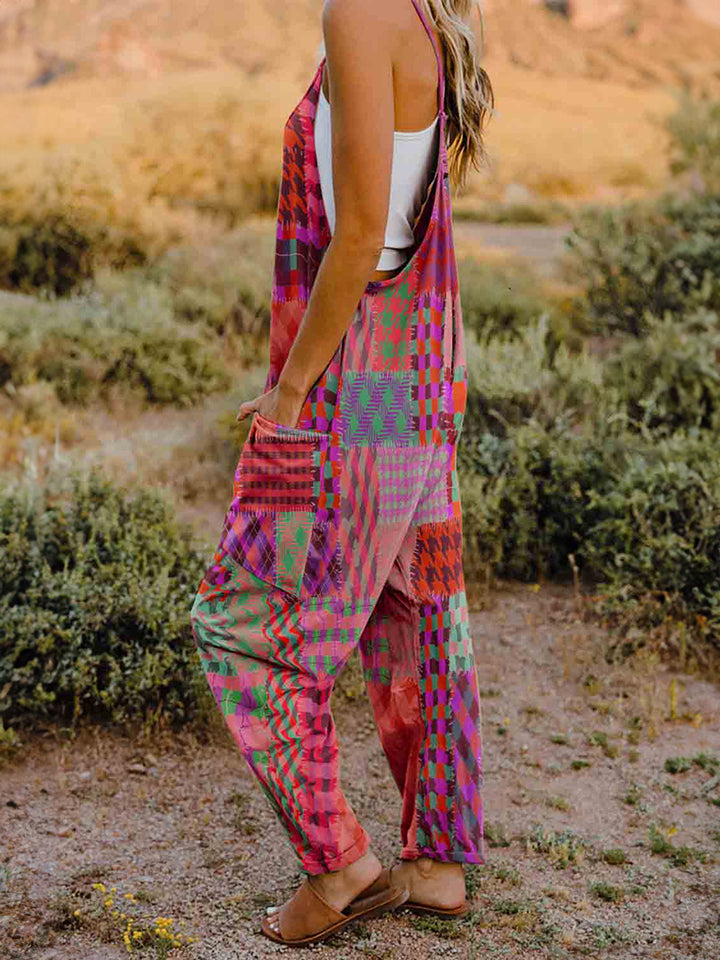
(279, 405)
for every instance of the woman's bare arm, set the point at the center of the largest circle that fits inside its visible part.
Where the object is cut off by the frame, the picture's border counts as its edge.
(359, 36)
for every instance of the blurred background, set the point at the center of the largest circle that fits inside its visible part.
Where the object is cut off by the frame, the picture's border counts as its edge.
(140, 156)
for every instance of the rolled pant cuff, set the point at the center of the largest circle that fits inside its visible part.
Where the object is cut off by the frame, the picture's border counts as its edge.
(445, 856)
(353, 853)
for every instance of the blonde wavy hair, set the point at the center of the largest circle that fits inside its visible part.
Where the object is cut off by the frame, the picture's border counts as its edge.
(469, 98)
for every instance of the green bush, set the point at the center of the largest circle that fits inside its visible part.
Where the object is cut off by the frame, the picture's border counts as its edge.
(694, 130)
(121, 332)
(498, 302)
(640, 261)
(671, 378)
(95, 590)
(530, 500)
(530, 377)
(640, 514)
(56, 254)
(225, 285)
(51, 256)
(655, 542)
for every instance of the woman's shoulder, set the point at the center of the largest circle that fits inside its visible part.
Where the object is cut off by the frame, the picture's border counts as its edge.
(375, 14)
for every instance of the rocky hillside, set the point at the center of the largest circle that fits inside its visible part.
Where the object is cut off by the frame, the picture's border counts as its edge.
(634, 42)
(46, 40)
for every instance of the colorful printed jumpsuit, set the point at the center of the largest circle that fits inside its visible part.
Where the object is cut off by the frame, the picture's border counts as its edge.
(345, 532)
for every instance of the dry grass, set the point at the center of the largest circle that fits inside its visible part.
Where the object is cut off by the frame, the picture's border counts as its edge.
(188, 153)
(581, 139)
(178, 158)
(157, 115)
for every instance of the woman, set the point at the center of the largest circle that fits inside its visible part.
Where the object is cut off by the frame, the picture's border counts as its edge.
(345, 529)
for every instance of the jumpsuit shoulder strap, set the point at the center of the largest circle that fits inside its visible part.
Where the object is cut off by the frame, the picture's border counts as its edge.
(441, 66)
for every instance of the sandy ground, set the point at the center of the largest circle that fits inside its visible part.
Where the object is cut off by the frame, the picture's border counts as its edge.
(542, 247)
(575, 753)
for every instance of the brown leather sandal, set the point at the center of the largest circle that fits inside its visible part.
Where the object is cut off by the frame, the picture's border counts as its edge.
(448, 913)
(307, 917)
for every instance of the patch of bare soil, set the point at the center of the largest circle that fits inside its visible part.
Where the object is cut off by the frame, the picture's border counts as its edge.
(575, 754)
(541, 246)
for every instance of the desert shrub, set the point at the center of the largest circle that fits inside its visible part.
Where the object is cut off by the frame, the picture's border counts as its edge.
(225, 285)
(694, 130)
(561, 7)
(671, 378)
(640, 261)
(655, 544)
(498, 302)
(545, 505)
(52, 255)
(10, 743)
(482, 519)
(640, 514)
(529, 377)
(121, 332)
(481, 451)
(529, 497)
(95, 589)
(53, 249)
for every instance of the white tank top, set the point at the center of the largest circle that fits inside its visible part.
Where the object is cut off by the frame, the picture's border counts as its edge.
(413, 166)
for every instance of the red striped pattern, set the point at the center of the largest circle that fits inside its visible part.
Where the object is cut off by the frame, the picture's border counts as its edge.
(277, 473)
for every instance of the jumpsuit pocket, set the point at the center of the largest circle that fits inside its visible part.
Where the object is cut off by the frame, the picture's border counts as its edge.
(272, 528)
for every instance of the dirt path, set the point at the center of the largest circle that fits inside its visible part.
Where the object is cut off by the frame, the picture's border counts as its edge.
(568, 774)
(541, 246)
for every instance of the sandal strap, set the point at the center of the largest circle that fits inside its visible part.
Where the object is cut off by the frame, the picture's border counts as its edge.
(306, 913)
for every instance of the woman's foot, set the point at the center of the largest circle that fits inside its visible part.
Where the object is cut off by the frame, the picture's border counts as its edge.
(431, 883)
(340, 887)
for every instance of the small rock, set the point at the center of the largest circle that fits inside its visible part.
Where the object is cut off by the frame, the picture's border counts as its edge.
(137, 768)
(151, 759)
(63, 831)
